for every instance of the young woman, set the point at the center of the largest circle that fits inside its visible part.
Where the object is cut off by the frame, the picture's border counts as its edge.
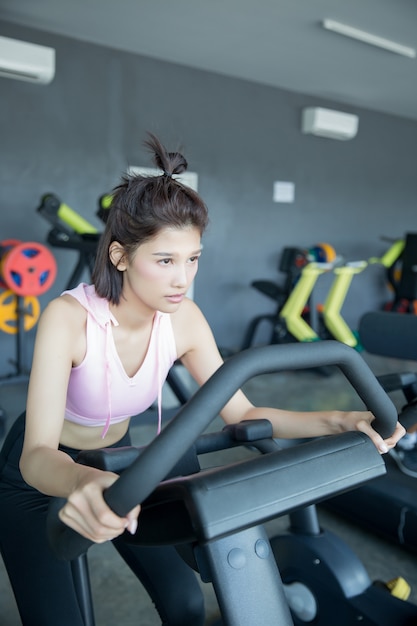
(102, 354)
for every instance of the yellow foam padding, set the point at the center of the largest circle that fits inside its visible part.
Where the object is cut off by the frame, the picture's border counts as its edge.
(391, 255)
(105, 201)
(293, 308)
(333, 304)
(75, 220)
(399, 588)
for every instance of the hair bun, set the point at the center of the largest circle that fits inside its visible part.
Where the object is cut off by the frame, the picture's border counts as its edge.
(169, 162)
(180, 162)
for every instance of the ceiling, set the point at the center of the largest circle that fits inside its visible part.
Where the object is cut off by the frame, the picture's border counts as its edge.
(273, 42)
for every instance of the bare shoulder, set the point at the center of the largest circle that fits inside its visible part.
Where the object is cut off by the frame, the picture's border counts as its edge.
(64, 308)
(186, 312)
(187, 316)
(190, 327)
(64, 317)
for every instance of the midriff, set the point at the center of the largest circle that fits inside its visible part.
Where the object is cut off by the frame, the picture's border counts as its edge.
(89, 438)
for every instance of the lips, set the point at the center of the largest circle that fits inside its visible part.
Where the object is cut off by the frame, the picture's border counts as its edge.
(176, 298)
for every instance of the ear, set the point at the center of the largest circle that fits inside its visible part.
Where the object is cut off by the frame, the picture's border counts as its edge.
(117, 256)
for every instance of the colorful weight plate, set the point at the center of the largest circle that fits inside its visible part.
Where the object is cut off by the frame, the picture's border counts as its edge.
(9, 321)
(29, 269)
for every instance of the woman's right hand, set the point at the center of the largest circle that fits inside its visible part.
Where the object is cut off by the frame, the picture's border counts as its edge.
(87, 512)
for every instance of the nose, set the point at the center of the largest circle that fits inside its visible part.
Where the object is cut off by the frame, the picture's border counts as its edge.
(180, 278)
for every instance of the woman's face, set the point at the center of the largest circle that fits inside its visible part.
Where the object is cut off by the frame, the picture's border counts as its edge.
(163, 268)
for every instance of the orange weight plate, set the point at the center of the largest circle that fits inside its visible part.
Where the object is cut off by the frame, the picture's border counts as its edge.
(9, 321)
(29, 269)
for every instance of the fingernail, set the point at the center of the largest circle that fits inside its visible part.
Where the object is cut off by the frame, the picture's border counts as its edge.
(133, 526)
(383, 448)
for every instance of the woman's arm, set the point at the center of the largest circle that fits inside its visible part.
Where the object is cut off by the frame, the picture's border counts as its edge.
(60, 342)
(201, 357)
(42, 465)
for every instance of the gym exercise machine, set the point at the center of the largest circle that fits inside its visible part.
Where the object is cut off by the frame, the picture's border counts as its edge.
(294, 319)
(387, 505)
(302, 269)
(216, 516)
(71, 232)
(291, 263)
(27, 270)
(331, 311)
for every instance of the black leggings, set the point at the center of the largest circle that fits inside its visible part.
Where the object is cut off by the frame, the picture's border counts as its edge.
(43, 585)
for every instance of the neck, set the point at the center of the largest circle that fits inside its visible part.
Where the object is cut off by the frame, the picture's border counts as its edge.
(130, 316)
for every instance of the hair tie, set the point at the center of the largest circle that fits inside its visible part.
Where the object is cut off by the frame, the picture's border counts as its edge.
(168, 174)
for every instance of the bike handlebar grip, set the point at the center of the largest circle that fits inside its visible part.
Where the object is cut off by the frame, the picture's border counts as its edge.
(139, 480)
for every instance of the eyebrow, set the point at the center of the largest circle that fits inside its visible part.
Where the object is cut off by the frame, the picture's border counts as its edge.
(165, 254)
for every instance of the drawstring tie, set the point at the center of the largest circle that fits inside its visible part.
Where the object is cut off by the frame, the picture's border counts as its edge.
(160, 381)
(108, 380)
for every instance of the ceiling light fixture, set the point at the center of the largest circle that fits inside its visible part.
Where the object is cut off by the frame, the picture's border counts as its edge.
(373, 40)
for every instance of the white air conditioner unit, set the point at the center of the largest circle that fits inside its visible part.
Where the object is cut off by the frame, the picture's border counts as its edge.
(328, 123)
(26, 61)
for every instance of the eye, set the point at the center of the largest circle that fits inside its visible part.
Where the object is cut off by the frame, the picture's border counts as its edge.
(194, 259)
(165, 261)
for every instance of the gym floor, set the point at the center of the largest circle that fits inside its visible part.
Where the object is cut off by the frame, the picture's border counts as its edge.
(119, 598)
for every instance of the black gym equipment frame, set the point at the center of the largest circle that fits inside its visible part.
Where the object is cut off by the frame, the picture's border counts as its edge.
(217, 515)
(387, 505)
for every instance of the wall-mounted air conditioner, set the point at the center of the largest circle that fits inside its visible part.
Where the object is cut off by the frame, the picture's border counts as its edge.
(26, 61)
(329, 123)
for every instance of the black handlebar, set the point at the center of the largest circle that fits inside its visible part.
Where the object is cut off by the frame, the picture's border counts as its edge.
(139, 480)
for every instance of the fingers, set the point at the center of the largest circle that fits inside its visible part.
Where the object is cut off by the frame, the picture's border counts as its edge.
(398, 433)
(390, 442)
(87, 513)
(132, 517)
(365, 427)
(383, 445)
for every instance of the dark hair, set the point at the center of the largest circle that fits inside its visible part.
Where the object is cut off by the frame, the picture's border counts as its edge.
(140, 207)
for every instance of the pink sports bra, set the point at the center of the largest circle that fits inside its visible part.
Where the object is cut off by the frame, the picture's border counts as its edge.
(100, 392)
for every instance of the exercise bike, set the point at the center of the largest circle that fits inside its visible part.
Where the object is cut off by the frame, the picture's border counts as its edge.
(216, 516)
(71, 232)
(331, 313)
(289, 322)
